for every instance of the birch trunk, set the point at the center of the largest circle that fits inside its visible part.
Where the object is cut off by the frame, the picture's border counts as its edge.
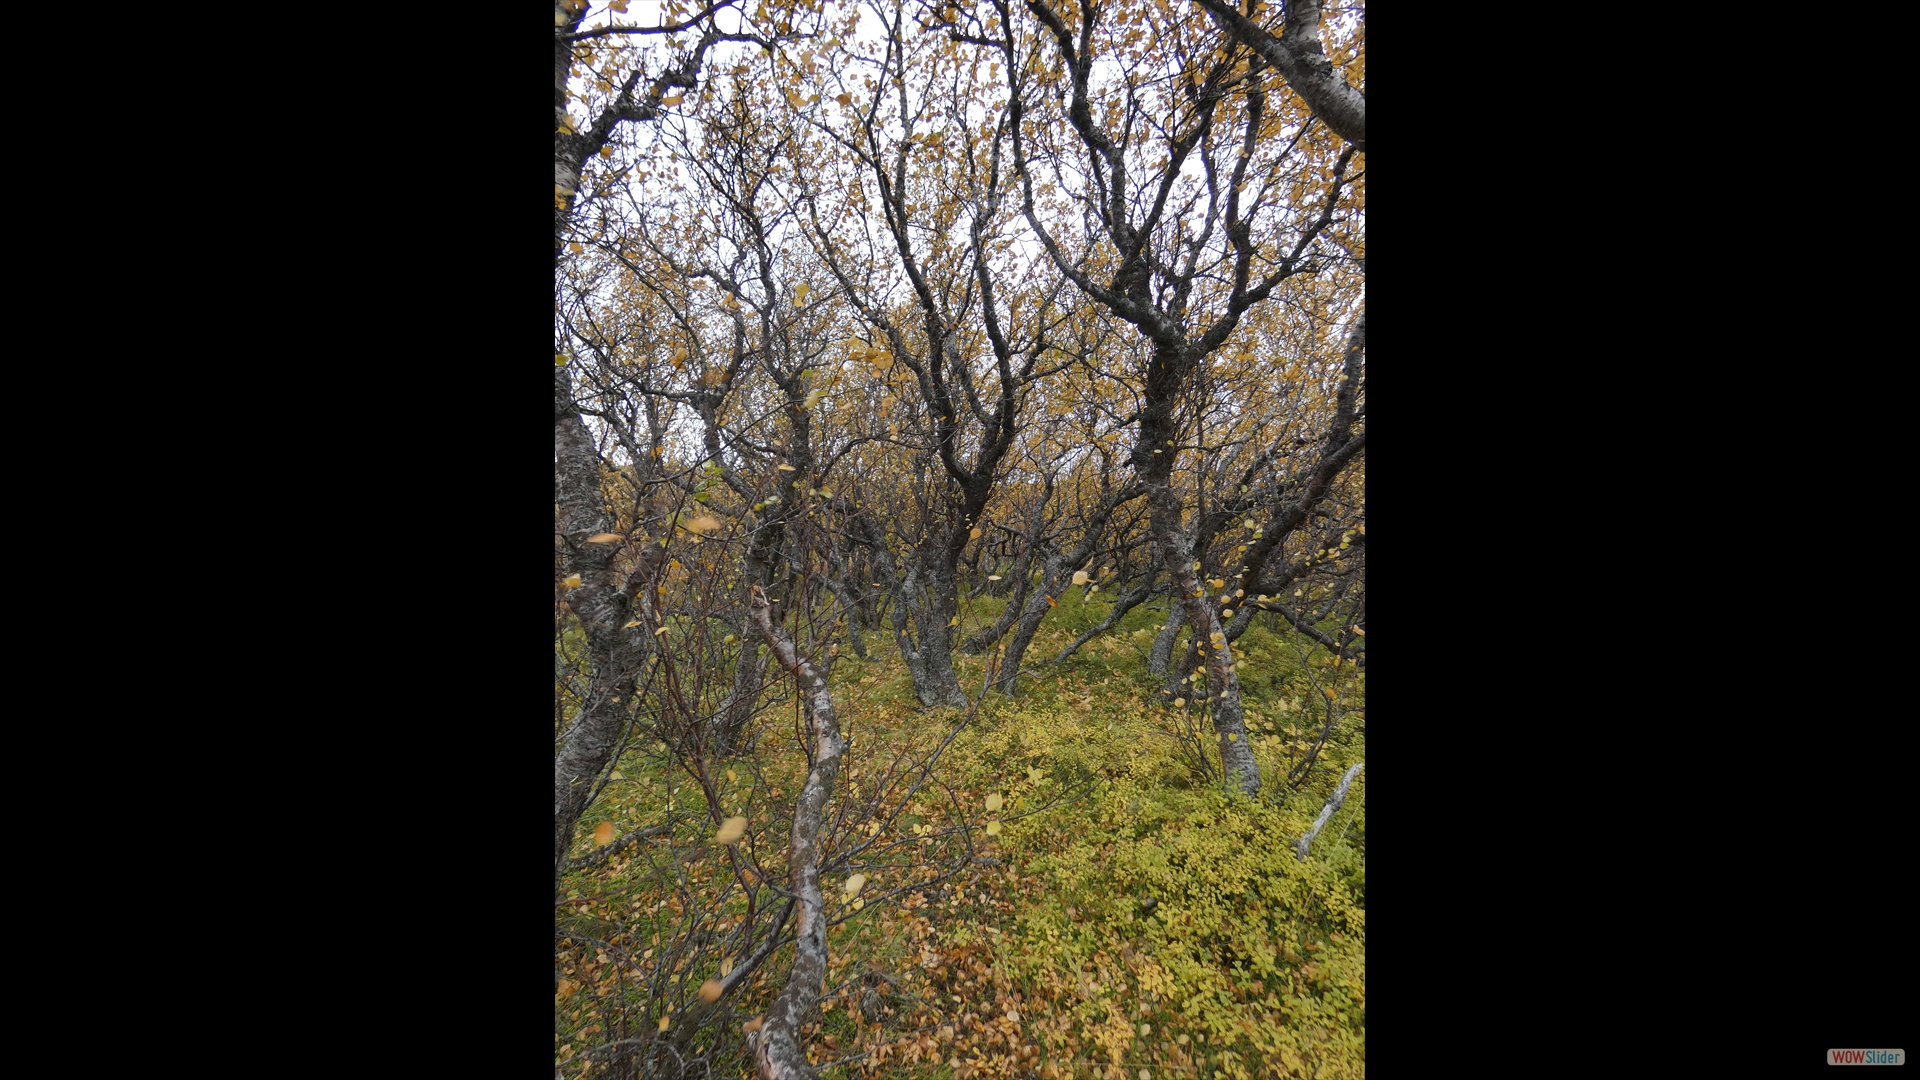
(779, 1055)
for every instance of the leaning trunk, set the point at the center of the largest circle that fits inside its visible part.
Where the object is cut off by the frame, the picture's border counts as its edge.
(779, 1054)
(1229, 718)
(603, 607)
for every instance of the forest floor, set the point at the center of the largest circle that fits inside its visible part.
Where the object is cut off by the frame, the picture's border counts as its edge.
(1069, 895)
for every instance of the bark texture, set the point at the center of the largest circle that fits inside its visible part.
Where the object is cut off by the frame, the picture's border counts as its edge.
(1301, 60)
(1326, 812)
(602, 605)
(779, 1054)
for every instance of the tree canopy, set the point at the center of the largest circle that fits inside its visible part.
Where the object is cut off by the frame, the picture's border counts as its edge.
(869, 318)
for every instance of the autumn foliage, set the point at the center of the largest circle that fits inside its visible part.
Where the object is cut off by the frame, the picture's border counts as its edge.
(960, 540)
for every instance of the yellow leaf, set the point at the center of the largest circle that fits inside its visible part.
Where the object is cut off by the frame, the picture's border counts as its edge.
(1226, 613)
(973, 533)
(1233, 736)
(660, 631)
(955, 621)
(574, 247)
(1219, 583)
(1357, 630)
(572, 581)
(618, 775)
(800, 294)
(844, 99)
(705, 523)
(619, 6)
(730, 830)
(813, 398)
(559, 359)
(710, 991)
(1080, 577)
(663, 1023)
(1179, 701)
(603, 834)
(1051, 602)
(678, 358)
(753, 1025)
(993, 828)
(993, 577)
(605, 538)
(673, 99)
(994, 802)
(855, 884)
(787, 468)
(631, 625)
(1033, 776)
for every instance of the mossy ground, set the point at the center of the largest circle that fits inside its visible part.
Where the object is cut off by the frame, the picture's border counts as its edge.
(1128, 920)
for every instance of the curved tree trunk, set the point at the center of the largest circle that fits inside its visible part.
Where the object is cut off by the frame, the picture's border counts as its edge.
(1162, 653)
(779, 1054)
(1229, 715)
(1128, 600)
(603, 606)
(1301, 60)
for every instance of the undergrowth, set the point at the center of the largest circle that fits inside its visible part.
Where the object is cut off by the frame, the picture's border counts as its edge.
(1124, 919)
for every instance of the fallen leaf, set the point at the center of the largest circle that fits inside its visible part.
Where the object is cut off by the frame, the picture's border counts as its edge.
(603, 834)
(605, 538)
(730, 830)
(710, 991)
(855, 884)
